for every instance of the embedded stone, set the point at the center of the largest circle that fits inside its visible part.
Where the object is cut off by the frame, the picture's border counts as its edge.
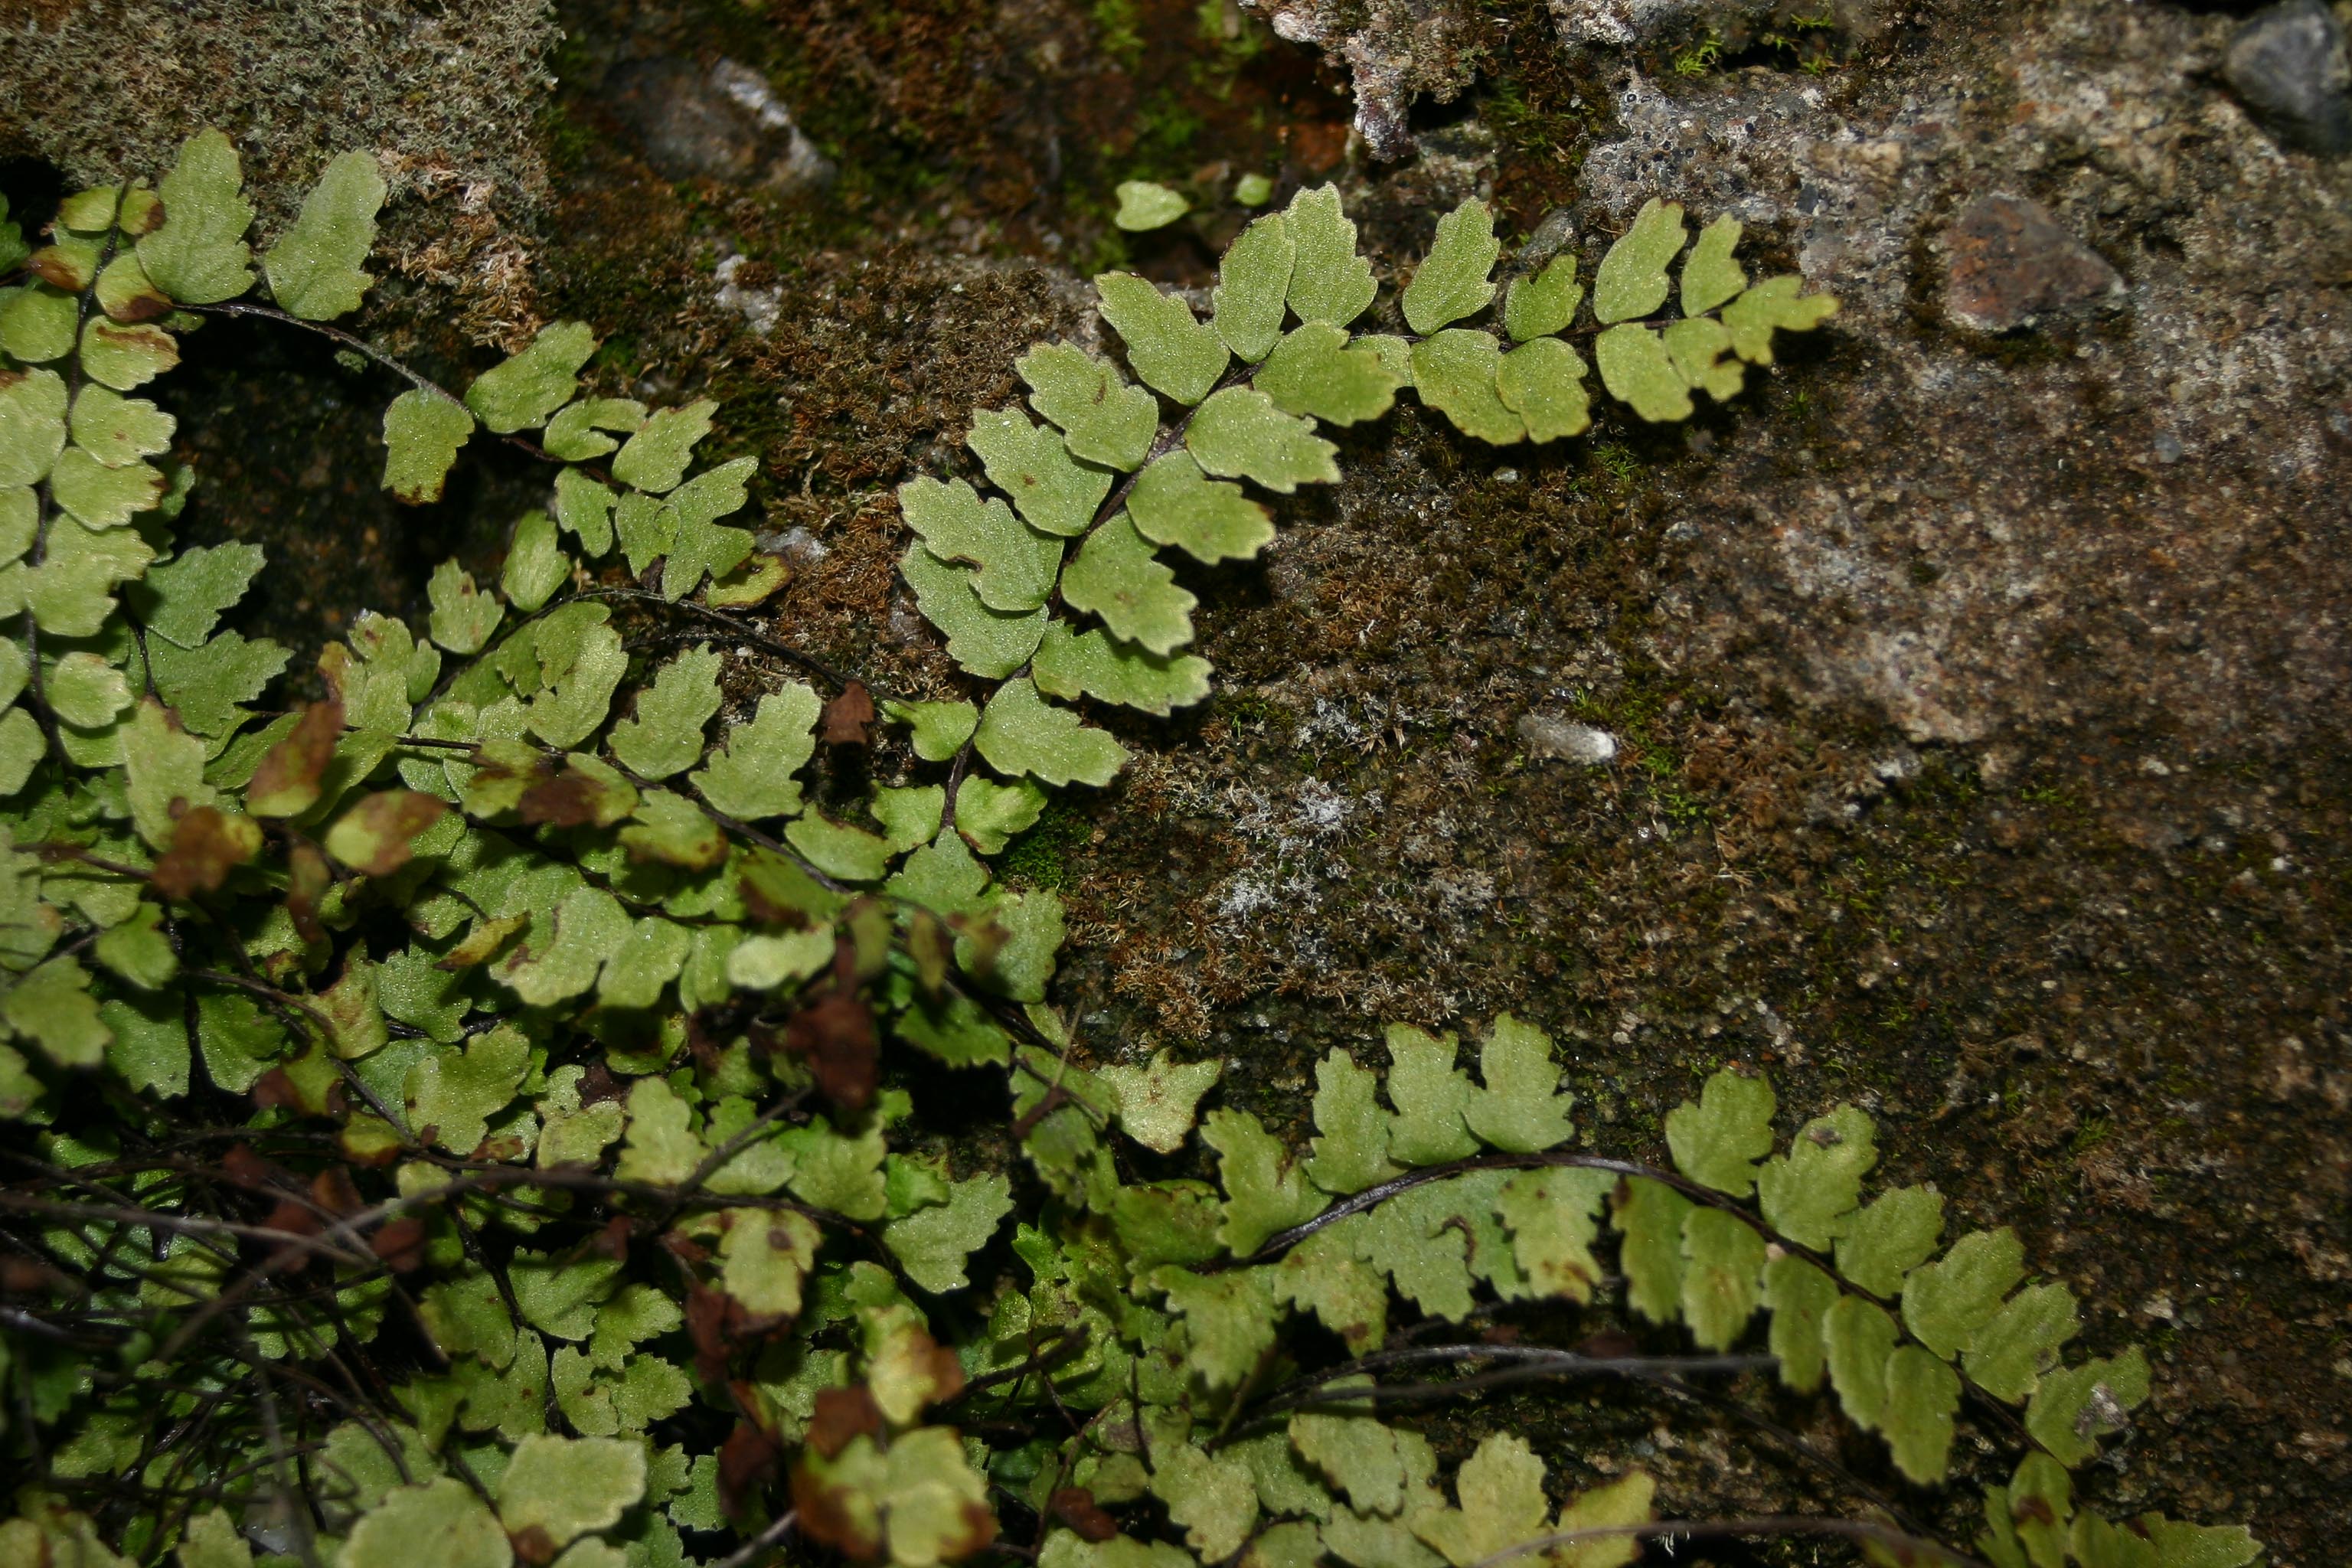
(2290, 67)
(1553, 735)
(725, 124)
(2010, 265)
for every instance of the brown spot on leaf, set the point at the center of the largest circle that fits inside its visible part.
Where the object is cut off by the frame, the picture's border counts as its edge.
(481, 943)
(567, 800)
(748, 1461)
(287, 782)
(932, 946)
(827, 1516)
(612, 1241)
(53, 267)
(940, 1367)
(1075, 1507)
(533, 1544)
(836, 1037)
(145, 305)
(842, 1414)
(247, 1169)
(293, 1218)
(978, 1529)
(206, 845)
(705, 1321)
(363, 1150)
(151, 343)
(987, 938)
(391, 820)
(274, 1090)
(332, 1191)
(598, 1085)
(307, 881)
(23, 1277)
(401, 1244)
(762, 910)
(710, 1048)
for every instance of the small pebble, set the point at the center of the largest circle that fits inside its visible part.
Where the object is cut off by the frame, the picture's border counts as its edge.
(2011, 265)
(725, 123)
(795, 544)
(1555, 736)
(2290, 66)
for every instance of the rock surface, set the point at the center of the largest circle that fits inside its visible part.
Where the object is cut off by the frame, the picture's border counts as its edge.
(1962, 521)
(1619, 23)
(106, 90)
(1393, 51)
(2290, 65)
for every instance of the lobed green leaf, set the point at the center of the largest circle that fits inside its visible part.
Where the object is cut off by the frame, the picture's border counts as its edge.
(422, 433)
(526, 389)
(1710, 276)
(1015, 565)
(1070, 664)
(1543, 383)
(1252, 287)
(1458, 373)
(1240, 433)
(1020, 732)
(1545, 304)
(1328, 281)
(1773, 305)
(1145, 204)
(1102, 418)
(1169, 349)
(314, 269)
(1632, 278)
(1118, 576)
(1174, 503)
(1054, 491)
(1456, 280)
(1637, 369)
(1314, 371)
(199, 256)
